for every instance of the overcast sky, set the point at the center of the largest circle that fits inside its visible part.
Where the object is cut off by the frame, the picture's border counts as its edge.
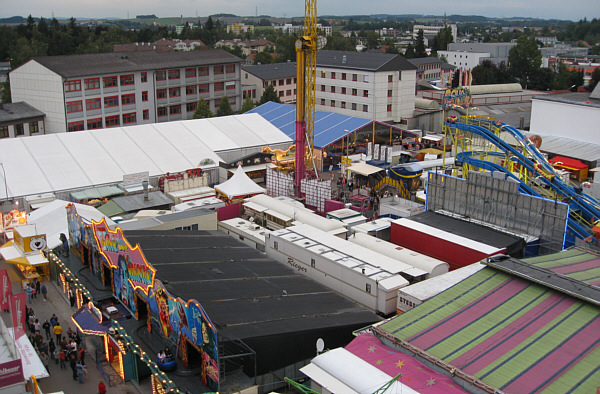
(545, 9)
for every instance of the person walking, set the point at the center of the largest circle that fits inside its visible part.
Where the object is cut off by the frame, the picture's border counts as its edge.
(73, 364)
(44, 291)
(62, 357)
(65, 242)
(52, 350)
(45, 360)
(80, 372)
(29, 292)
(101, 388)
(58, 332)
(82, 356)
(46, 327)
(54, 320)
(37, 326)
(38, 286)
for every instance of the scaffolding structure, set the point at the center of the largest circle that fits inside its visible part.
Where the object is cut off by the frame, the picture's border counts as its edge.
(482, 198)
(315, 192)
(279, 183)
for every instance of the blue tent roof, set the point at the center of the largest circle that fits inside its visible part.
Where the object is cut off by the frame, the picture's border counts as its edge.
(329, 126)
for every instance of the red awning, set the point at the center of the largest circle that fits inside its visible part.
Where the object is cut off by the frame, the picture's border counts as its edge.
(568, 163)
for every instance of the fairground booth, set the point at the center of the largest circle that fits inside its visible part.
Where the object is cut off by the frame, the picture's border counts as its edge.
(182, 325)
(25, 251)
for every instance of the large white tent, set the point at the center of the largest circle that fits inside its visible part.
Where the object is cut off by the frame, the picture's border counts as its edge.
(71, 161)
(239, 185)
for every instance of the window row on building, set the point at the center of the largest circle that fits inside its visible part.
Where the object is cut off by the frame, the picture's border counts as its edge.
(278, 82)
(107, 101)
(344, 90)
(107, 121)
(94, 84)
(349, 76)
(193, 72)
(347, 105)
(20, 129)
(203, 88)
(177, 109)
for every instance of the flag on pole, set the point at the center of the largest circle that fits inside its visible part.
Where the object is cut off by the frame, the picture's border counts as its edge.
(6, 290)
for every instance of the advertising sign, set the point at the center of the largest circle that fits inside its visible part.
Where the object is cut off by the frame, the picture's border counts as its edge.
(13, 218)
(17, 310)
(6, 290)
(11, 372)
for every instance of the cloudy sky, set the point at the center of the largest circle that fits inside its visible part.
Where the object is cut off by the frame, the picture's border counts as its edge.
(545, 9)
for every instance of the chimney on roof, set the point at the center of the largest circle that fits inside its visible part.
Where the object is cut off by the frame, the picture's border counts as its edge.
(145, 187)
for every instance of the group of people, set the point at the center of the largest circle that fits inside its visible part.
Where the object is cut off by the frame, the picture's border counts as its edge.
(67, 348)
(35, 288)
(165, 356)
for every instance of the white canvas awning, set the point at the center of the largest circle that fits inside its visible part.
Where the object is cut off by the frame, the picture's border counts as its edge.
(364, 169)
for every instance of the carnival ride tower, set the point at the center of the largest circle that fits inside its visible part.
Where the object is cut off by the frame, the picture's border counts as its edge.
(306, 73)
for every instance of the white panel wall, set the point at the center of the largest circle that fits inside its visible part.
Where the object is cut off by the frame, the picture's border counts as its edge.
(577, 122)
(42, 89)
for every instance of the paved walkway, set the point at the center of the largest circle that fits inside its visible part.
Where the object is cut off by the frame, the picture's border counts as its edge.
(62, 380)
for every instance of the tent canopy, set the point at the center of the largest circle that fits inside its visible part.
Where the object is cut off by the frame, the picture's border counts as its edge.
(12, 254)
(364, 169)
(239, 185)
(567, 162)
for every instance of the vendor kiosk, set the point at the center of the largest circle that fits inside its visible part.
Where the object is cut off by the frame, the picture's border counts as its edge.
(25, 251)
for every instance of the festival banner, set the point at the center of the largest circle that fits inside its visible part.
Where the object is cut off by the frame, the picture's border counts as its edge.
(17, 310)
(6, 290)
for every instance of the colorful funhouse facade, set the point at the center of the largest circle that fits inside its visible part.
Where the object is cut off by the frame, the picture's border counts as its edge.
(183, 324)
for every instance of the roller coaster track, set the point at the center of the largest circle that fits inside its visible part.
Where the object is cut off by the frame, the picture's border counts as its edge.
(584, 208)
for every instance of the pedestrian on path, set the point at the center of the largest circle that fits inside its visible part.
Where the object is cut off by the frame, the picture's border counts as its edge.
(62, 357)
(58, 332)
(82, 356)
(29, 292)
(80, 372)
(52, 350)
(44, 291)
(73, 364)
(38, 286)
(46, 327)
(54, 320)
(37, 326)
(45, 360)
(101, 388)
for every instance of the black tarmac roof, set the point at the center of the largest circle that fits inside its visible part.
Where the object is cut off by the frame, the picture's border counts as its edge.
(363, 61)
(514, 245)
(245, 293)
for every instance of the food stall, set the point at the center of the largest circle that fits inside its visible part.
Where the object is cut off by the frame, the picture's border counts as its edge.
(25, 251)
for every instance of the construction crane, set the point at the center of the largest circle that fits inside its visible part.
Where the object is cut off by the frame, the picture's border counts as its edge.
(306, 75)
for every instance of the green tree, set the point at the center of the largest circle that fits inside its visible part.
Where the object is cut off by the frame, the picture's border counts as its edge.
(541, 79)
(565, 79)
(525, 58)
(224, 107)
(269, 95)
(248, 105)
(5, 89)
(263, 58)
(420, 45)
(410, 52)
(202, 110)
(441, 40)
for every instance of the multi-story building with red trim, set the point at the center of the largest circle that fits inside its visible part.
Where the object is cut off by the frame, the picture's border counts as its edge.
(95, 91)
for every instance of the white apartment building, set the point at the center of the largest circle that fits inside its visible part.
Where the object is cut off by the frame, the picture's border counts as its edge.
(433, 30)
(282, 76)
(377, 86)
(95, 91)
(463, 59)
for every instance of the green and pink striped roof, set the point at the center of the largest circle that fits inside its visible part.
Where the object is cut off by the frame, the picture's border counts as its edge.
(512, 334)
(575, 263)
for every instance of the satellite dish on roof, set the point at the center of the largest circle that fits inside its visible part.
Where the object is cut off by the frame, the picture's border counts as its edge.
(320, 345)
(321, 42)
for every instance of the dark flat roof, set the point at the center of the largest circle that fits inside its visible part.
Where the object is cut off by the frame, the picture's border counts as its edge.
(474, 231)
(363, 61)
(117, 62)
(272, 71)
(12, 112)
(582, 98)
(245, 293)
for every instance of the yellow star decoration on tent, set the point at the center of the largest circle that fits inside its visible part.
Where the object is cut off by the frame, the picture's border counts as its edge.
(400, 364)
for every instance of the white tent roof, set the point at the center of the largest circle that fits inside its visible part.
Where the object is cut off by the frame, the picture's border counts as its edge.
(340, 371)
(68, 161)
(51, 219)
(364, 169)
(239, 185)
